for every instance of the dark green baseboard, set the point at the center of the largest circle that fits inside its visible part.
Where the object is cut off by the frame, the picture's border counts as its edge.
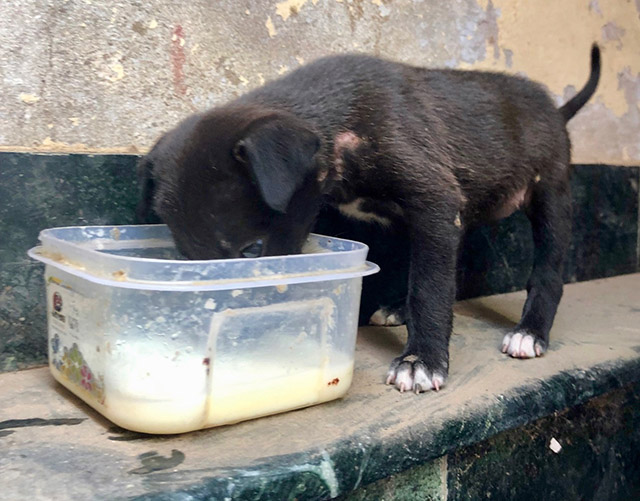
(42, 191)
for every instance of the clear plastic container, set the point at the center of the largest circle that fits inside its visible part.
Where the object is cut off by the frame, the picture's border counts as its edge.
(158, 344)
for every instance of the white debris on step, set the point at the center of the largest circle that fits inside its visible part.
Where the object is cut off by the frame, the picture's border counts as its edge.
(555, 446)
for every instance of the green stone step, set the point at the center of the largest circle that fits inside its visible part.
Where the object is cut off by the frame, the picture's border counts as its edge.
(486, 434)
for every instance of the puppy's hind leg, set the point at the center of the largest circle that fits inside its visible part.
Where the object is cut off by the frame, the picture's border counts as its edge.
(550, 216)
(389, 315)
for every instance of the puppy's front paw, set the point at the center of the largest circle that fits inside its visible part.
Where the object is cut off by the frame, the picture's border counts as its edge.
(410, 373)
(523, 344)
(387, 317)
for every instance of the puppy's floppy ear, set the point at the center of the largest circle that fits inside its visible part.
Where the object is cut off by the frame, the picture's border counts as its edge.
(280, 155)
(144, 211)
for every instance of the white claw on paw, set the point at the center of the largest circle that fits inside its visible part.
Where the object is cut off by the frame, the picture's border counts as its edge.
(409, 377)
(391, 377)
(505, 342)
(421, 380)
(526, 347)
(378, 318)
(393, 319)
(437, 381)
(514, 345)
(403, 379)
(385, 317)
(521, 345)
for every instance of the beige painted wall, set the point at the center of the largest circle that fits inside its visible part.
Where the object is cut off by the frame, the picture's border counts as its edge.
(110, 76)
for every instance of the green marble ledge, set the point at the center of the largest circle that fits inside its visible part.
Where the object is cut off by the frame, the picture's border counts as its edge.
(599, 459)
(486, 433)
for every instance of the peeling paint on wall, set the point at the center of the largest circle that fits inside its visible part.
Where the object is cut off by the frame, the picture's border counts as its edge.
(270, 27)
(118, 71)
(125, 75)
(611, 32)
(29, 98)
(479, 37)
(109, 68)
(178, 59)
(536, 35)
(290, 8)
(595, 7)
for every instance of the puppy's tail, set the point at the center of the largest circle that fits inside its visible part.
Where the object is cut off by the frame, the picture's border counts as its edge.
(579, 100)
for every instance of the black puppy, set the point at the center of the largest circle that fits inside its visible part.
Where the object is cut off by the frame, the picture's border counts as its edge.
(431, 151)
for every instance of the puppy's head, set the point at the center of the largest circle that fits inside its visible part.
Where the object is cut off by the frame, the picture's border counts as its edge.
(234, 182)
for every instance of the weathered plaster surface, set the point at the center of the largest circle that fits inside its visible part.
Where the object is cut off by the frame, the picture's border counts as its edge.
(98, 75)
(549, 41)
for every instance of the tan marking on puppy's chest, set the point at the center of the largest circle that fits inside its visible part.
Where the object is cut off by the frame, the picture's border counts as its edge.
(516, 201)
(354, 210)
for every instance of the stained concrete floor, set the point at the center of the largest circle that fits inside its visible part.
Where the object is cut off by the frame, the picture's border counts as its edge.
(52, 446)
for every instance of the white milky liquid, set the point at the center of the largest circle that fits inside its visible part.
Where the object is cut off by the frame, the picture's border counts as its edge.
(154, 394)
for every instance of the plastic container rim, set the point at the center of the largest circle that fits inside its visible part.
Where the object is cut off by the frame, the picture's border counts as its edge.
(367, 267)
(45, 233)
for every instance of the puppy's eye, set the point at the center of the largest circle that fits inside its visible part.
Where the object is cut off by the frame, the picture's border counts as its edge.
(253, 250)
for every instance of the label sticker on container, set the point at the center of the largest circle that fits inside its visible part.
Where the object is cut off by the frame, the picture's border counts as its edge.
(67, 340)
(62, 309)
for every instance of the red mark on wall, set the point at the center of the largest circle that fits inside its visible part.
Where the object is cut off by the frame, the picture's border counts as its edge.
(178, 59)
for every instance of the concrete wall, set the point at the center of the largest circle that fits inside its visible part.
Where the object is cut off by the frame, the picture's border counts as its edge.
(110, 76)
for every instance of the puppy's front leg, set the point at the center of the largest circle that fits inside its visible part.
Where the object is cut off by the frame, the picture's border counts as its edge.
(434, 237)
